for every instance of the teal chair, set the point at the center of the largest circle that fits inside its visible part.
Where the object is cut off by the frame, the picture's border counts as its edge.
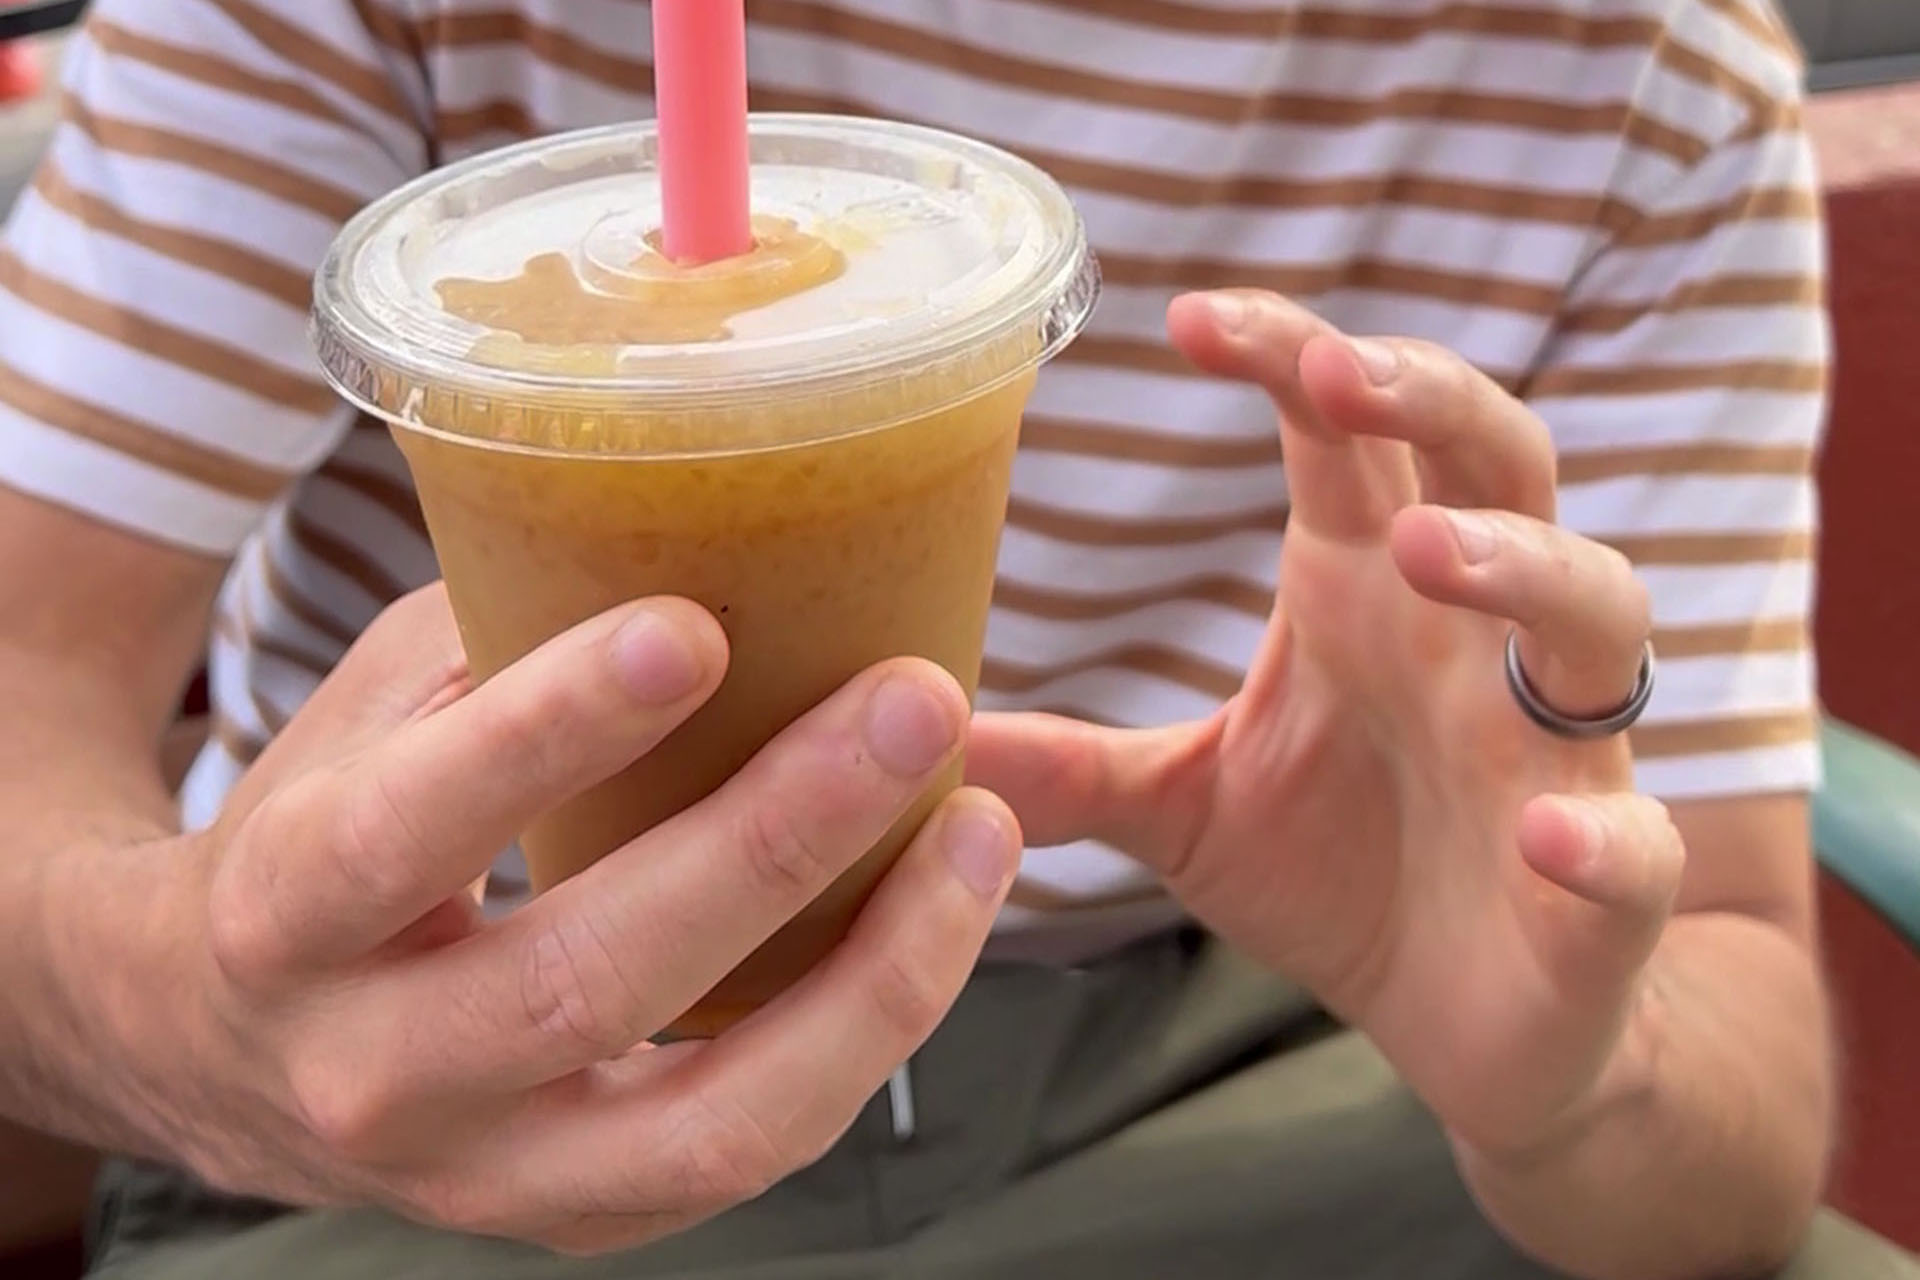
(1866, 825)
(1866, 829)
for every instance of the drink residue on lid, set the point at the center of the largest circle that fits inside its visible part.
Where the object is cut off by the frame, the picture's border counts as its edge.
(649, 300)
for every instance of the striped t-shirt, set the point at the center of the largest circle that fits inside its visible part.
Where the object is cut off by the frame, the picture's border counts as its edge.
(1609, 205)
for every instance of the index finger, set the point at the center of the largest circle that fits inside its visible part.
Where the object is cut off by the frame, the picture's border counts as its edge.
(403, 666)
(346, 858)
(1341, 485)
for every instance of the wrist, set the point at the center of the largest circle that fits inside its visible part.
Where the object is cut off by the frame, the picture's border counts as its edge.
(1687, 1157)
(39, 1023)
(1623, 1097)
(97, 943)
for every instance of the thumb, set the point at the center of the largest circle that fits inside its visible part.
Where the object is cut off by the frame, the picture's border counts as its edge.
(1142, 791)
(1618, 858)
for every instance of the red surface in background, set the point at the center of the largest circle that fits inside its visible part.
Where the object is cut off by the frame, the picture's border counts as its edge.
(1869, 615)
(1867, 625)
(1875, 979)
(1868, 629)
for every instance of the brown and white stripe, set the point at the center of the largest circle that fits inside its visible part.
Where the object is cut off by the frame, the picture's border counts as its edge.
(1608, 205)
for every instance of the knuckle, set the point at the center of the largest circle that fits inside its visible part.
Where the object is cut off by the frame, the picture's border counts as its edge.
(1557, 557)
(1460, 385)
(247, 938)
(575, 989)
(1623, 603)
(1613, 564)
(1642, 827)
(465, 1205)
(1663, 819)
(248, 948)
(1637, 602)
(1430, 357)
(1450, 385)
(907, 997)
(1531, 432)
(1663, 830)
(1537, 436)
(376, 842)
(346, 1110)
(728, 1158)
(536, 733)
(783, 852)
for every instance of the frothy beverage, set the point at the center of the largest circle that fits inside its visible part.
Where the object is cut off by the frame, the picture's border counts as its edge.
(813, 440)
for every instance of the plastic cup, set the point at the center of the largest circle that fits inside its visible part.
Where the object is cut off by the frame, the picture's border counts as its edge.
(825, 468)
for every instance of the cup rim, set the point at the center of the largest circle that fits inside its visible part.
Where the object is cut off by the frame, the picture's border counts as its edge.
(389, 357)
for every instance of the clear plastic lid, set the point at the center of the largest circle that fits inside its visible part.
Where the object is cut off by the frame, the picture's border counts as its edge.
(954, 268)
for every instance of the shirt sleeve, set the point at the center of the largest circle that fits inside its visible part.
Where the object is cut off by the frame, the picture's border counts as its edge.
(1686, 387)
(155, 371)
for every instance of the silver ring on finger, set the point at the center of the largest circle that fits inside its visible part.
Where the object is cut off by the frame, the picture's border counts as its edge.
(1578, 728)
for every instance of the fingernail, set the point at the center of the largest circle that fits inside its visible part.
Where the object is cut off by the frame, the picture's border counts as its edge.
(1477, 537)
(1229, 311)
(910, 729)
(655, 660)
(1380, 362)
(981, 848)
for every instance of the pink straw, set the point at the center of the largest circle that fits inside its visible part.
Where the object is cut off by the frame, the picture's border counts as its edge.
(700, 95)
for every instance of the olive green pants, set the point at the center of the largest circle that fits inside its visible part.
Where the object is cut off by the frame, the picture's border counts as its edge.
(1166, 1113)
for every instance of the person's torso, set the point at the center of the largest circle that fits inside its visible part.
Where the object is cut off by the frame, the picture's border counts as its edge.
(1433, 171)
